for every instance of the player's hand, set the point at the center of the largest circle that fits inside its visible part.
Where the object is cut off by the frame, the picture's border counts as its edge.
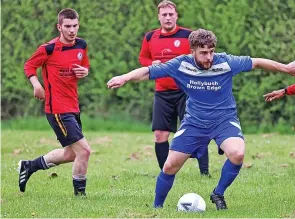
(39, 93)
(156, 62)
(277, 94)
(80, 71)
(291, 68)
(116, 82)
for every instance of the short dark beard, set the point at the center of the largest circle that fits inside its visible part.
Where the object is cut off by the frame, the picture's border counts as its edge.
(201, 66)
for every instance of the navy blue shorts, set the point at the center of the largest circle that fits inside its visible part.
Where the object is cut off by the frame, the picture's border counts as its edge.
(194, 140)
(67, 127)
(168, 107)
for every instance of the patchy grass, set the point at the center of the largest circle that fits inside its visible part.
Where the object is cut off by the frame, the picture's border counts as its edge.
(121, 179)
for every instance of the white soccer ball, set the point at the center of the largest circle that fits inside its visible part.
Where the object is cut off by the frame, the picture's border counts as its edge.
(191, 202)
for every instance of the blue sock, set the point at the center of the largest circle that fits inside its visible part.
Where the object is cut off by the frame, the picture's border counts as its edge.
(163, 186)
(228, 175)
(204, 161)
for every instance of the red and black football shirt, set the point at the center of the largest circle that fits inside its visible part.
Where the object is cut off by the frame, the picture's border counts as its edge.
(57, 60)
(163, 47)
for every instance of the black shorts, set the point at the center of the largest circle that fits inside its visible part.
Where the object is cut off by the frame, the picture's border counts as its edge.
(168, 106)
(67, 127)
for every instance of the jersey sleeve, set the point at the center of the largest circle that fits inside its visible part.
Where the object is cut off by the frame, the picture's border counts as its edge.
(85, 60)
(145, 58)
(35, 61)
(167, 69)
(290, 90)
(239, 64)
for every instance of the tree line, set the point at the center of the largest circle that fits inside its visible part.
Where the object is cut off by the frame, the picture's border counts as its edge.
(114, 31)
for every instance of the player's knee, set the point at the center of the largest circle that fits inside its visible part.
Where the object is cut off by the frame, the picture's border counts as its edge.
(161, 136)
(237, 156)
(170, 168)
(84, 153)
(70, 157)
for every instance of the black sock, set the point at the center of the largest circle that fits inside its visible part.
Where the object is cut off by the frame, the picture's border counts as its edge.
(79, 186)
(162, 150)
(38, 164)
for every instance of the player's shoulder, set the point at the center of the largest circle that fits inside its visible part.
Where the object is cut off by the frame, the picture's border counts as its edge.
(184, 57)
(150, 33)
(185, 31)
(221, 55)
(81, 43)
(230, 57)
(49, 46)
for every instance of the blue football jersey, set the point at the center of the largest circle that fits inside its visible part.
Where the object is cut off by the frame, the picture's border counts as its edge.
(210, 97)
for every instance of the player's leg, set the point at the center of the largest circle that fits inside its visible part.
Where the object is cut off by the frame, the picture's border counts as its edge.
(80, 165)
(82, 151)
(162, 116)
(230, 141)
(174, 162)
(51, 159)
(203, 160)
(184, 144)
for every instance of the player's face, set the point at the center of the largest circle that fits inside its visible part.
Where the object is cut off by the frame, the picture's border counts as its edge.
(203, 56)
(167, 17)
(68, 30)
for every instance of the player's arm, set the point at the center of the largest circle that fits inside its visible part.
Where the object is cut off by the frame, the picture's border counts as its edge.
(81, 71)
(145, 58)
(152, 72)
(271, 65)
(139, 74)
(290, 90)
(277, 94)
(30, 69)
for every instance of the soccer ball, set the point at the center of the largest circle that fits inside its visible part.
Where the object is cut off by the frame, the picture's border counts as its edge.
(191, 202)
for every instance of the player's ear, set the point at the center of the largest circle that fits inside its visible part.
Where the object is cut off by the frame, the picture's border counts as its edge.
(58, 26)
(193, 51)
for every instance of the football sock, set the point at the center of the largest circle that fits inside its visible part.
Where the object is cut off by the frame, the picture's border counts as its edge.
(204, 161)
(163, 186)
(38, 164)
(228, 174)
(79, 184)
(162, 150)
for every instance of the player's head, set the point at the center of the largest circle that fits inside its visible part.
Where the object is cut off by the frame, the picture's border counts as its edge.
(202, 44)
(167, 15)
(68, 25)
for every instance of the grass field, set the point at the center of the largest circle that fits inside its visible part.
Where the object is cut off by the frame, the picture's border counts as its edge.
(121, 179)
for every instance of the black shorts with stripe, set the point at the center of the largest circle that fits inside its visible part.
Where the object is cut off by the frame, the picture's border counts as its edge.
(168, 107)
(67, 127)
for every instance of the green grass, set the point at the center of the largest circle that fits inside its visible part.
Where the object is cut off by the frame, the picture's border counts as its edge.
(114, 123)
(124, 123)
(121, 179)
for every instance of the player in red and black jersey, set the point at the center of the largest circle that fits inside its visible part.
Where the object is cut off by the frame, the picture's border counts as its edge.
(64, 61)
(277, 94)
(158, 46)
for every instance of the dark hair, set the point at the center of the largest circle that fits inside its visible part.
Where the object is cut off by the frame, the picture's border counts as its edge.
(67, 13)
(165, 3)
(201, 38)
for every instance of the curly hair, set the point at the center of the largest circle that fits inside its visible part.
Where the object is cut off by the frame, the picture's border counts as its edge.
(201, 38)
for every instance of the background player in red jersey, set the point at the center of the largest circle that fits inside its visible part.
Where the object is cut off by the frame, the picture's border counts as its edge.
(64, 61)
(277, 94)
(161, 45)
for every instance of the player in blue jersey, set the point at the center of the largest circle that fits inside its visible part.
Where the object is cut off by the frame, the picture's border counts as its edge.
(206, 77)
